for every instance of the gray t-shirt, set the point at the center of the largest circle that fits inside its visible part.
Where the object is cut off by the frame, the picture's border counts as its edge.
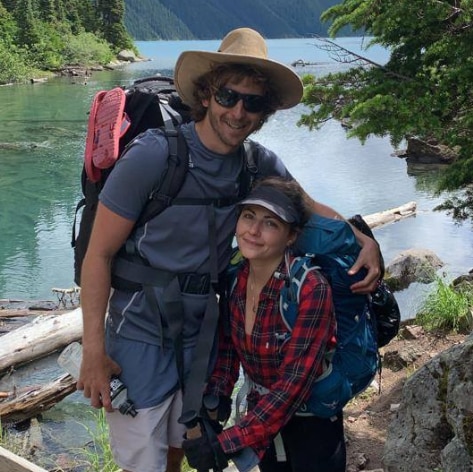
(176, 240)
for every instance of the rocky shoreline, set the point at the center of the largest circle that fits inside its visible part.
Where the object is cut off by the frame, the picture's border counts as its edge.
(369, 417)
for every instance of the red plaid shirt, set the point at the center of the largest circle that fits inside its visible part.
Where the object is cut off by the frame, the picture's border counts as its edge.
(285, 363)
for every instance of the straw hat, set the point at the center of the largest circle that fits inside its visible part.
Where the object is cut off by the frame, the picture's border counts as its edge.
(240, 46)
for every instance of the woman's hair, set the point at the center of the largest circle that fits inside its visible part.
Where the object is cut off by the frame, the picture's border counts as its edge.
(219, 76)
(292, 190)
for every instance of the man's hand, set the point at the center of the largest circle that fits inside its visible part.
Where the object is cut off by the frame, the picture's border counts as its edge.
(95, 374)
(370, 259)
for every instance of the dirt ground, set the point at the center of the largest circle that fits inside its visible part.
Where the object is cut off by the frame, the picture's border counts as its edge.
(367, 417)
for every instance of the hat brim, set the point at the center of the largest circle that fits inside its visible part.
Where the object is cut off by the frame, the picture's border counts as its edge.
(272, 207)
(193, 64)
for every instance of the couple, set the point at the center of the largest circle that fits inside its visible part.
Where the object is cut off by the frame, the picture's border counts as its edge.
(231, 93)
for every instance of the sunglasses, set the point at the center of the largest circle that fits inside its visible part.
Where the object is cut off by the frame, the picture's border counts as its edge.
(228, 98)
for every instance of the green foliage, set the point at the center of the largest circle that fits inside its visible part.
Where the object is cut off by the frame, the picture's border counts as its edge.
(98, 454)
(8, 27)
(111, 20)
(86, 49)
(447, 309)
(12, 66)
(44, 35)
(424, 89)
(459, 207)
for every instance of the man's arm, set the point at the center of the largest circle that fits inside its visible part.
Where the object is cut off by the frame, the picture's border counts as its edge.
(109, 233)
(368, 258)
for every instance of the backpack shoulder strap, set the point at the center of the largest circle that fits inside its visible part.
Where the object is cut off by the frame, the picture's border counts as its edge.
(250, 167)
(290, 293)
(178, 165)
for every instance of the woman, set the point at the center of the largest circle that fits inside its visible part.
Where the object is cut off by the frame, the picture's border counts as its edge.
(281, 365)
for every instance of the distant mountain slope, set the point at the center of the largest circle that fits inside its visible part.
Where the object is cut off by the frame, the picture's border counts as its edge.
(212, 19)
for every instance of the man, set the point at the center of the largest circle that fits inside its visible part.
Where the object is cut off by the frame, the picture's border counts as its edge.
(231, 93)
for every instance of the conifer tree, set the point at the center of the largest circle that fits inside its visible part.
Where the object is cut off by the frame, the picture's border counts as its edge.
(111, 15)
(424, 89)
(48, 10)
(9, 5)
(25, 16)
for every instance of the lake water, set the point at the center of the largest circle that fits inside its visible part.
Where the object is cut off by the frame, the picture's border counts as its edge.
(41, 146)
(42, 129)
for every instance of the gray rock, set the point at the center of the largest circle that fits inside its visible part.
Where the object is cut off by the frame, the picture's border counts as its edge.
(433, 428)
(412, 265)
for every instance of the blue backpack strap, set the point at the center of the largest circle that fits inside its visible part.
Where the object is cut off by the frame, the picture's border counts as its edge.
(290, 293)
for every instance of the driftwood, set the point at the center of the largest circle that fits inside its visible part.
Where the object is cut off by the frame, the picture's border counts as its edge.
(388, 216)
(42, 336)
(10, 462)
(33, 401)
(25, 312)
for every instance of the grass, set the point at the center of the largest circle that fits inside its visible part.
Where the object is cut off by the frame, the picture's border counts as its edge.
(10, 441)
(98, 454)
(447, 309)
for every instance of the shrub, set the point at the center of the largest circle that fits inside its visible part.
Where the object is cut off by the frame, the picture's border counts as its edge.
(447, 309)
(86, 49)
(12, 66)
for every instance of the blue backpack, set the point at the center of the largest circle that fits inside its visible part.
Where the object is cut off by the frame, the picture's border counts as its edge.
(331, 247)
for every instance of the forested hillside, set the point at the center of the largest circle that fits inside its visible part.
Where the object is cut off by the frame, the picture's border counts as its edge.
(212, 19)
(46, 35)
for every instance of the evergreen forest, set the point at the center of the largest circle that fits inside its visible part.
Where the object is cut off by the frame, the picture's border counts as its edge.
(41, 36)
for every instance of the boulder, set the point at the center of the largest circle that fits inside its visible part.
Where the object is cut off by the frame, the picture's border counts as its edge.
(412, 265)
(433, 427)
(429, 152)
(127, 56)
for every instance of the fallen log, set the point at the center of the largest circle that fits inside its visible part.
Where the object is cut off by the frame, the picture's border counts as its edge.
(25, 312)
(388, 216)
(33, 401)
(12, 463)
(43, 335)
